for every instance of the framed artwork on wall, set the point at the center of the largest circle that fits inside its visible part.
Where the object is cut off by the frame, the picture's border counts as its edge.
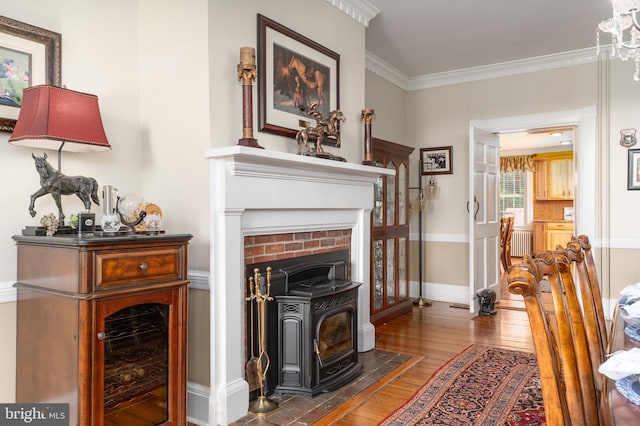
(437, 161)
(29, 56)
(294, 72)
(633, 171)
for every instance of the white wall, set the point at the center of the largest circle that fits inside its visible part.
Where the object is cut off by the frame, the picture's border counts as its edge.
(165, 74)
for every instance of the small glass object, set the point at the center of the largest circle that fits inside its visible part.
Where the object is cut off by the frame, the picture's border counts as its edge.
(153, 219)
(110, 221)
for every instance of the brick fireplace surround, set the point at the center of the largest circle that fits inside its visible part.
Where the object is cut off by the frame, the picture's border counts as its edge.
(267, 195)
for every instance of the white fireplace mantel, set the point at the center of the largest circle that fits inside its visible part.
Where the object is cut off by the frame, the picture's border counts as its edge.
(260, 192)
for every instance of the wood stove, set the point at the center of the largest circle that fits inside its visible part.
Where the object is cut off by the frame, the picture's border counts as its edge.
(312, 325)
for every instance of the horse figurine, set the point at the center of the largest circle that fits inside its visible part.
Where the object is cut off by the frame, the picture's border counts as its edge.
(55, 183)
(324, 128)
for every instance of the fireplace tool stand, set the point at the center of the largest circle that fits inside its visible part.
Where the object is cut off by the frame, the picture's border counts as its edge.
(262, 404)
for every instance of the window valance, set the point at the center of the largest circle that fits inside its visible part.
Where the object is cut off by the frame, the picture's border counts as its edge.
(517, 163)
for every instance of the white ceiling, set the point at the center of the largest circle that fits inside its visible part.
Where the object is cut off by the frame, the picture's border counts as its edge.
(422, 37)
(419, 38)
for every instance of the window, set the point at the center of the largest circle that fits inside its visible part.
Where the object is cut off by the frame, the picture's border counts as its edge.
(515, 197)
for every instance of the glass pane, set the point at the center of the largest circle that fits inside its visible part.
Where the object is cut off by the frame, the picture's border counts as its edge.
(402, 195)
(378, 258)
(391, 271)
(136, 365)
(391, 197)
(403, 285)
(335, 335)
(377, 198)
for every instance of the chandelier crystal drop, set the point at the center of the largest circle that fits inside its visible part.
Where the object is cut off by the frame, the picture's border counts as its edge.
(624, 28)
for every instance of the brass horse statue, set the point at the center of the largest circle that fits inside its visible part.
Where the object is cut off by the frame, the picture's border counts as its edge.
(55, 183)
(324, 128)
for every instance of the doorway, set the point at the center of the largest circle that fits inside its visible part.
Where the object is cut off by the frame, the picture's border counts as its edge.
(584, 120)
(537, 190)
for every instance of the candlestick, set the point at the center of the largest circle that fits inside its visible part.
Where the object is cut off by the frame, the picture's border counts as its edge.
(247, 74)
(367, 115)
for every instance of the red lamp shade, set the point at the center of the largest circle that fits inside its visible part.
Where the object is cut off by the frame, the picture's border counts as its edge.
(51, 114)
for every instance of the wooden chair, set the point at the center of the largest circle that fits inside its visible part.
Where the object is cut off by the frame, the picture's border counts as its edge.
(523, 279)
(579, 253)
(565, 336)
(506, 232)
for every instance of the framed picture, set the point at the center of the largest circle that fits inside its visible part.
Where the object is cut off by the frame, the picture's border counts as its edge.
(294, 73)
(28, 56)
(436, 161)
(633, 171)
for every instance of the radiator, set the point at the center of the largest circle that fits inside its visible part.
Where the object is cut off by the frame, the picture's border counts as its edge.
(521, 243)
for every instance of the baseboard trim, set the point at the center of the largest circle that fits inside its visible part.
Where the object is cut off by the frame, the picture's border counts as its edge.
(197, 404)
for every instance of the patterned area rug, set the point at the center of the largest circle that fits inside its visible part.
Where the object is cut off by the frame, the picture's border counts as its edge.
(480, 386)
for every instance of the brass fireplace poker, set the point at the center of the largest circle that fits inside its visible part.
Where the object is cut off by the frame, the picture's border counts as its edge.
(262, 404)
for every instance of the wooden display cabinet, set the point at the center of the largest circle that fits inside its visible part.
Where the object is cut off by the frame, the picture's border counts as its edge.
(390, 233)
(101, 325)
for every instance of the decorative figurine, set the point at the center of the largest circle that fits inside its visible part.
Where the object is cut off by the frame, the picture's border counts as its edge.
(324, 127)
(55, 183)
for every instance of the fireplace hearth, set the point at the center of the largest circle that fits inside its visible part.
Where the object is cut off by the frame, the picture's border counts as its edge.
(312, 323)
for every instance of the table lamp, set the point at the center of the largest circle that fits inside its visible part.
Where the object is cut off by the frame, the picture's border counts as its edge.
(53, 117)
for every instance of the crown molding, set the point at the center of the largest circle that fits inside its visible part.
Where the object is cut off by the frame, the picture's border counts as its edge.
(540, 63)
(386, 71)
(360, 10)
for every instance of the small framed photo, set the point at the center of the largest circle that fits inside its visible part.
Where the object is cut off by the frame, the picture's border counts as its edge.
(633, 171)
(30, 55)
(436, 161)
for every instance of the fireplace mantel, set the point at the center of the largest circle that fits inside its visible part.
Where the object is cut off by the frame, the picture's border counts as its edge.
(262, 192)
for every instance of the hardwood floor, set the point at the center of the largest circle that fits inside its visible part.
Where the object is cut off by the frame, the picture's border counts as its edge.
(434, 335)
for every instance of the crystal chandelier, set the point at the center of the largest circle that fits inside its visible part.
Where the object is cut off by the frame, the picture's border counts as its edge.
(625, 32)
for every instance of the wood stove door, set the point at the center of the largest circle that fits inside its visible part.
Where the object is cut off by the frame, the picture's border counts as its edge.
(139, 374)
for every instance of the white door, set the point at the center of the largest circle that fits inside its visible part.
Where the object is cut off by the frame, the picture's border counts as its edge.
(484, 223)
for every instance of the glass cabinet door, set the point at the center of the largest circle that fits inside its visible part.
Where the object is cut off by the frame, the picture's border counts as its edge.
(390, 233)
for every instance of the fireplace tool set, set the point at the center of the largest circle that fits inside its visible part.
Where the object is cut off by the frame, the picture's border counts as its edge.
(257, 367)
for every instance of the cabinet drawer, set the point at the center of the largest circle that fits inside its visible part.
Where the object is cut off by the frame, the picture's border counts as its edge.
(560, 226)
(134, 266)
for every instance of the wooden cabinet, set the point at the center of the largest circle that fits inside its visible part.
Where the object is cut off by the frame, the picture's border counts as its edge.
(541, 179)
(538, 236)
(547, 235)
(557, 233)
(390, 233)
(554, 177)
(101, 325)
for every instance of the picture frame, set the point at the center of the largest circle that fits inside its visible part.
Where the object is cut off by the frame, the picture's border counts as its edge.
(30, 56)
(292, 73)
(633, 170)
(437, 161)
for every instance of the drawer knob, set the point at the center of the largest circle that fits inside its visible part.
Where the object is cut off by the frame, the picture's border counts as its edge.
(144, 266)
(102, 335)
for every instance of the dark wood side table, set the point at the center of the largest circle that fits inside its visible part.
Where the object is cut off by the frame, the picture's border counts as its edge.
(101, 325)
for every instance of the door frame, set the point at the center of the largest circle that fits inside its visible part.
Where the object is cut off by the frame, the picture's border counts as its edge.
(584, 157)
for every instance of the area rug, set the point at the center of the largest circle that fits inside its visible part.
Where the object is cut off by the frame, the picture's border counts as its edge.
(480, 386)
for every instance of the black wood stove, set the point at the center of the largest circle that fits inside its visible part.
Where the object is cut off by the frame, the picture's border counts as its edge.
(312, 326)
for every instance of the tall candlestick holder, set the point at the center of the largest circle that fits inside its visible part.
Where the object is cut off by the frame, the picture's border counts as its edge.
(368, 115)
(247, 75)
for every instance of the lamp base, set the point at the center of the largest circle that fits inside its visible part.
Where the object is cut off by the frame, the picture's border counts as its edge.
(421, 301)
(250, 142)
